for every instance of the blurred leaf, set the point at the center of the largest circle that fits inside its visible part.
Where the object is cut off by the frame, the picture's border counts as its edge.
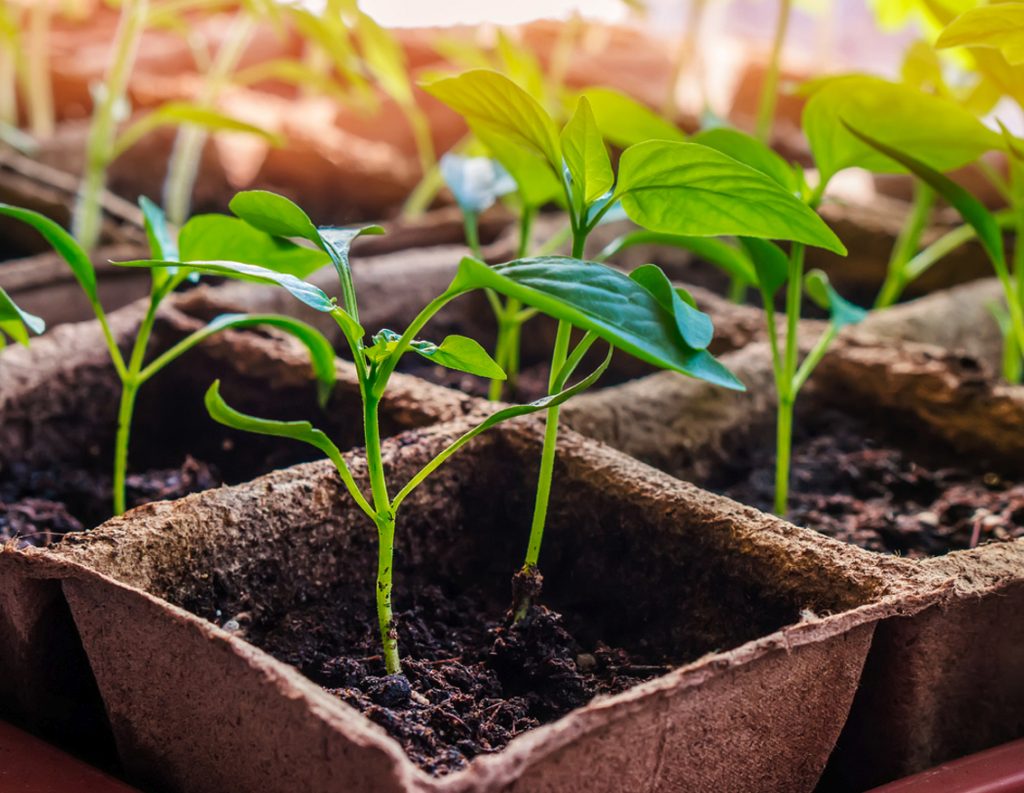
(770, 263)
(623, 121)
(63, 243)
(17, 323)
(999, 26)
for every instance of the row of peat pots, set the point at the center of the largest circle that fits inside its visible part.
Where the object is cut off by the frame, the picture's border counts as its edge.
(224, 640)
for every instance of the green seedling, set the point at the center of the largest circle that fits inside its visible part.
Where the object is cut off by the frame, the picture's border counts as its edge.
(666, 187)
(641, 315)
(104, 144)
(16, 323)
(202, 236)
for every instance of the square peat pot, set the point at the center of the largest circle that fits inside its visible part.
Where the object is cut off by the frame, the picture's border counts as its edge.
(925, 443)
(220, 630)
(58, 408)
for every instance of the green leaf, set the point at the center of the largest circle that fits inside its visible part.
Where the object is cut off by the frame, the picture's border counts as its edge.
(623, 121)
(161, 245)
(475, 182)
(841, 311)
(274, 214)
(999, 26)
(722, 254)
(597, 298)
(749, 151)
(971, 210)
(686, 188)
(17, 323)
(492, 103)
(385, 58)
(63, 243)
(770, 263)
(694, 326)
(941, 134)
(462, 354)
(307, 293)
(176, 113)
(223, 238)
(532, 174)
(337, 241)
(586, 157)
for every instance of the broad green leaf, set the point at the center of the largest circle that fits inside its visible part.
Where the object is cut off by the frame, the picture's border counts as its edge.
(686, 188)
(223, 238)
(841, 311)
(970, 209)
(15, 322)
(462, 354)
(492, 103)
(520, 65)
(532, 174)
(63, 243)
(770, 263)
(307, 293)
(274, 214)
(623, 121)
(161, 245)
(597, 298)
(175, 113)
(586, 157)
(728, 257)
(941, 134)
(999, 26)
(694, 326)
(475, 182)
(749, 151)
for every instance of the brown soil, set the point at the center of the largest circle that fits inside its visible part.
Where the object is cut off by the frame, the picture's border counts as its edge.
(470, 683)
(890, 491)
(38, 507)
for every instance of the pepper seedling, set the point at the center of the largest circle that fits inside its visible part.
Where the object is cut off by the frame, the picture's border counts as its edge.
(667, 187)
(16, 323)
(641, 315)
(203, 235)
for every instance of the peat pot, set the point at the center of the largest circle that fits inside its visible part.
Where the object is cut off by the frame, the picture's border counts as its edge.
(905, 447)
(58, 407)
(745, 635)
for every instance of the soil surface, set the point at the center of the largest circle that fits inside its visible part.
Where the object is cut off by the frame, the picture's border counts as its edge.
(38, 507)
(883, 490)
(469, 683)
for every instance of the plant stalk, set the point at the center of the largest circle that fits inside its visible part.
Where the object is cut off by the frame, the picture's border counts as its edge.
(770, 88)
(86, 220)
(906, 245)
(786, 386)
(783, 447)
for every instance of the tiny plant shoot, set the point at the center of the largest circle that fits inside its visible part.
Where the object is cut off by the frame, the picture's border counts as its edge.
(198, 237)
(666, 187)
(16, 323)
(641, 315)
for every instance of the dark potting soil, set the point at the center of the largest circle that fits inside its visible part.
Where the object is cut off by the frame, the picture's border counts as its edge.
(469, 682)
(38, 507)
(884, 490)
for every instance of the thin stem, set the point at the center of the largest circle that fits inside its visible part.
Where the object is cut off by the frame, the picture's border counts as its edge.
(555, 241)
(100, 146)
(814, 358)
(525, 227)
(770, 87)
(129, 390)
(376, 389)
(794, 294)
(471, 224)
(737, 290)
(191, 139)
(948, 243)
(906, 245)
(783, 445)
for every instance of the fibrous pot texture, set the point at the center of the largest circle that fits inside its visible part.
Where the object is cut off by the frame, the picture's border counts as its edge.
(766, 625)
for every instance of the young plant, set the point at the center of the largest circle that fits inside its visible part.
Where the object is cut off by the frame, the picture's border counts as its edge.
(641, 315)
(204, 235)
(665, 187)
(104, 145)
(15, 323)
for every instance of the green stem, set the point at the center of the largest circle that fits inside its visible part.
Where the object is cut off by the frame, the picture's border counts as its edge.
(471, 224)
(737, 290)
(770, 87)
(783, 445)
(385, 521)
(906, 245)
(431, 180)
(948, 243)
(191, 139)
(86, 220)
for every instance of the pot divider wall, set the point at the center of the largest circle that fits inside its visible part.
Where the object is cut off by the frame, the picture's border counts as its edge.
(58, 404)
(939, 684)
(768, 623)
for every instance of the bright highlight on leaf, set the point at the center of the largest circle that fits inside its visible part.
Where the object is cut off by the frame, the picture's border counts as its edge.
(998, 26)
(586, 156)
